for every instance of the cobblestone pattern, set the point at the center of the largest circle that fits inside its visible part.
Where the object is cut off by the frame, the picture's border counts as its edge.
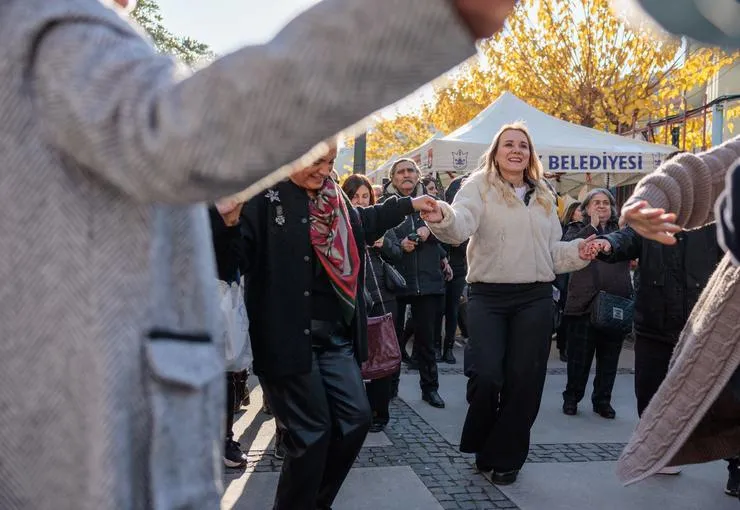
(448, 474)
(458, 370)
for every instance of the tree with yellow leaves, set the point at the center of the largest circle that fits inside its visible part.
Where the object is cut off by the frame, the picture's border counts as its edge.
(573, 59)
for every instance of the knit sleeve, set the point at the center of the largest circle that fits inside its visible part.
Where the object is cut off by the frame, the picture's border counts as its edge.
(462, 217)
(689, 184)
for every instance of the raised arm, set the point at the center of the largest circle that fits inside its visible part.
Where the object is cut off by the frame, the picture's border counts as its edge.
(624, 244)
(459, 220)
(134, 119)
(688, 185)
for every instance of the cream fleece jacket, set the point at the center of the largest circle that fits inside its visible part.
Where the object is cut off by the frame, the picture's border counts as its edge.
(508, 243)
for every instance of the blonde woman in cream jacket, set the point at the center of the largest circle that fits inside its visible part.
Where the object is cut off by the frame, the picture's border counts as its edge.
(509, 214)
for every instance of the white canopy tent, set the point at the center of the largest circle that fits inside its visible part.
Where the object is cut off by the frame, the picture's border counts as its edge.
(575, 154)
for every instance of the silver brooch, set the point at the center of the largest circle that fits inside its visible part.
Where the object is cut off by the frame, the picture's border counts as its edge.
(272, 195)
(280, 217)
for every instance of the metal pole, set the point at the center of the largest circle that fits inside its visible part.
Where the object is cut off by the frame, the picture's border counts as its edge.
(704, 125)
(718, 123)
(666, 127)
(358, 165)
(683, 142)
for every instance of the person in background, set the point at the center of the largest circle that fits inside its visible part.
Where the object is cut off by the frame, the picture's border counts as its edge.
(305, 253)
(515, 250)
(421, 266)
(584, 340)
(454, 288)
(572, 214)
(228, 247)
(430, 186)
(377, 192)
(359, 191)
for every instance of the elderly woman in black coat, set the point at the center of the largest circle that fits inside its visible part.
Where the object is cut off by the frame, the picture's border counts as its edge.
(308, 322)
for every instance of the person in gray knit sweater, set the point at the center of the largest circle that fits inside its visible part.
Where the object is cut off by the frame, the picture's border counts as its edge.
(111, 374)
(693, 417)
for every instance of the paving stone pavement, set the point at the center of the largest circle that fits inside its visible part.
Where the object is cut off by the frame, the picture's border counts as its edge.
(414, 443)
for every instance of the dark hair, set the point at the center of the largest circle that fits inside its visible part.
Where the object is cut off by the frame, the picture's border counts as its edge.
(354, 182)
(673, 155)
(614, 216)
(568, 214)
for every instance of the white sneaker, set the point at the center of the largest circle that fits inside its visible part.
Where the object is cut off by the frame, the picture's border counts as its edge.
(672, 470)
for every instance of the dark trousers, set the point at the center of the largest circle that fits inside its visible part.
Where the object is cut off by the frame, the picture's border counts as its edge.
(423, 314)
(506, 363)
(652, 357)
(585, 341)
(379, 390)
(232, 379)
(326, 416)
(453, 292)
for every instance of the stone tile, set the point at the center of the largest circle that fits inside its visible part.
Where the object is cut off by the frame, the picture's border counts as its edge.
(594, 485)
(389, 488)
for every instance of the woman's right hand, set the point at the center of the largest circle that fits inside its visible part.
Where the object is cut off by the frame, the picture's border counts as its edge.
(651, 223)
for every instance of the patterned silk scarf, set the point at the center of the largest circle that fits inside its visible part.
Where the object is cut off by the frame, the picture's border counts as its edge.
(333, 241)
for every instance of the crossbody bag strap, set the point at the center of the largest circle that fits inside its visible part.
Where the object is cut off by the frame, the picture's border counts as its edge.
(369, 263)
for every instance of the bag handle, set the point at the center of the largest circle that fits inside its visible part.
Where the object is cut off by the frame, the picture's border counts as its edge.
(369, 263)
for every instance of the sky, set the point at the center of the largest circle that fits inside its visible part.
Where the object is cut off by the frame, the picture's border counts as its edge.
(226, 25)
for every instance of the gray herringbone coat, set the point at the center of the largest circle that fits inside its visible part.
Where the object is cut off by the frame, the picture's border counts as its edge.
(96, 412)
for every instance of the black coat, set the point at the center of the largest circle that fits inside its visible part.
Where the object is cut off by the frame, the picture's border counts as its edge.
(729, 215)
(457, 255)
(380, 258)
(279, 267)
(671, 277)
(584, 285)
(228, 247)
(422, 268)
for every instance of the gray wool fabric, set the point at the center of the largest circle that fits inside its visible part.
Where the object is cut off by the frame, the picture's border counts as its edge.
(694, 416)
(104, 146)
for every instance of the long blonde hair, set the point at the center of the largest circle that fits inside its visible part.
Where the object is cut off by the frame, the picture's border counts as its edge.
(534, 173)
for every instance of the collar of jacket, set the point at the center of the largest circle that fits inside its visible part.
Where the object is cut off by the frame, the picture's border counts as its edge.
(390, 189)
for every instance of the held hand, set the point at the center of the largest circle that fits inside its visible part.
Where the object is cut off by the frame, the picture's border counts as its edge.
(434, 216)
(424, 233)
(424, 204)
(408, 245)
(651, 223)
(586, 249)
(601, 246)
(484, 17)
(229, 209)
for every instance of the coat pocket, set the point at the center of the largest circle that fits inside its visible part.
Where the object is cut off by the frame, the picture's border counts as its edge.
(185, 383)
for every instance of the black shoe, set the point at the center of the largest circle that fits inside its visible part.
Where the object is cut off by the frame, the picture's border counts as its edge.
(504, 477)
(234, 457)
(376, 427)
(433, 399)
(570, 408)
(733, 482)
(279, 452)
(605, 411)
(266, 407)
(449, 357)
(563, 357)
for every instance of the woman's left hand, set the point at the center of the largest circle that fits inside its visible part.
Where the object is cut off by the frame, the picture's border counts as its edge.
(424, 204)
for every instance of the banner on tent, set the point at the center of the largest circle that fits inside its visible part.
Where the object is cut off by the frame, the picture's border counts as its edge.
(467, 159)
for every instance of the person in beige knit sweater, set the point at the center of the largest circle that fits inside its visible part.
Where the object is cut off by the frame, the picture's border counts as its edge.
(509, 214)
(695, 416)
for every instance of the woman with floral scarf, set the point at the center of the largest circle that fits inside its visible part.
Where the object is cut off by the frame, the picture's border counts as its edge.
(308, 322)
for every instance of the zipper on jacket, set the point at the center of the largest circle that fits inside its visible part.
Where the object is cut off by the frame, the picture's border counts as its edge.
(416, 260)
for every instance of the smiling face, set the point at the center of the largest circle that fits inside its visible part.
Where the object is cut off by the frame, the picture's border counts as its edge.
(512, 153)
(599, 207)
(405, 177)
(312, 177)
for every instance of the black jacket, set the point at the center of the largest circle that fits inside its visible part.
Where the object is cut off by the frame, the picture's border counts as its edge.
(390, 254)
(584, 285)
(279, 264)
(422, 268)
(228, 247)
(671, 277)
(729, 215)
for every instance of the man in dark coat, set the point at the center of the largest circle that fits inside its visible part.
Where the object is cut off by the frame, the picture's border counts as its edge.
(308, 322)
(421, 266)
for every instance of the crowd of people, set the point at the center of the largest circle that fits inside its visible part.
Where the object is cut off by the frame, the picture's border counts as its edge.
(113, 354)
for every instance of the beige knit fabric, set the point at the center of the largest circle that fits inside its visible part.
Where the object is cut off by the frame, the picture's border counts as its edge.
(691, 418)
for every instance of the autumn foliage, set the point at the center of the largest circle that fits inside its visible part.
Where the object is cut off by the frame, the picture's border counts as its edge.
(573, 59)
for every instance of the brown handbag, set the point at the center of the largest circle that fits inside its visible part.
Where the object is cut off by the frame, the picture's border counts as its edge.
(383, 352)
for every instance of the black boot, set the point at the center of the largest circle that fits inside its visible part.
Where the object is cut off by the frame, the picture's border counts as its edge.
(433, 399)
(448, 356)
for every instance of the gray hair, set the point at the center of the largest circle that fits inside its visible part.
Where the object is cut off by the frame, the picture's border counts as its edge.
(392, 169)
(590, 195)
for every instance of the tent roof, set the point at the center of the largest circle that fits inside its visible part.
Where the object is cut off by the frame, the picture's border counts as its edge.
(548, 132)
